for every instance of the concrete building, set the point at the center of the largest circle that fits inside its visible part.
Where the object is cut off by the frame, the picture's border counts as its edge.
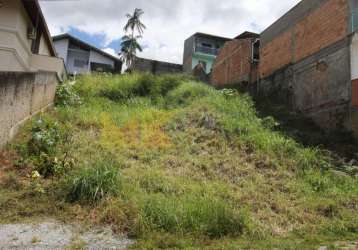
(82, 58)
(29, 68)
(237, 62)
(202, 48)
(25, 42)
(155, 67)
(309, 62)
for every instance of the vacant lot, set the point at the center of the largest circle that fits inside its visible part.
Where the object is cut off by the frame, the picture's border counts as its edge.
(175, 164)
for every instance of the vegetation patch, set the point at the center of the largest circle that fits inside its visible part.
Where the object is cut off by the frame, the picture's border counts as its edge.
(177, 164)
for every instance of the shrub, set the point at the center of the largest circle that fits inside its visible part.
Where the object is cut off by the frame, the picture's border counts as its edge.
(186, 93)
(47, 138)
(45, 135)
(90, 184)
(66, 96)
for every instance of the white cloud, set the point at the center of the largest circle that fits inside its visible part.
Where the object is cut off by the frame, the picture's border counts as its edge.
(168, 22)
(110, 51)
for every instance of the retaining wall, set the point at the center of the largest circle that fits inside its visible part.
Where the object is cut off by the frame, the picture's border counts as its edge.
(21, 96)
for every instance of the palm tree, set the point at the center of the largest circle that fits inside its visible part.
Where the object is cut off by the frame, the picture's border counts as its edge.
(134, 22)
(129, 44)
(129, 47)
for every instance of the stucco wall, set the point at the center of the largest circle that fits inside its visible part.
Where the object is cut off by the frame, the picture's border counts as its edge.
(14, 44)
(21, 96)
(15, 47)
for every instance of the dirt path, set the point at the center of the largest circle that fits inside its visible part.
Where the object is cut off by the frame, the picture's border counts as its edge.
(55, 235)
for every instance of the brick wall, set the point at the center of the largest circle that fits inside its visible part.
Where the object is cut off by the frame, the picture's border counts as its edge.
(233, 64)
(322, 27)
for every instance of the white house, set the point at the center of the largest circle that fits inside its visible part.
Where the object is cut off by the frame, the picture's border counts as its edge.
(81, 57)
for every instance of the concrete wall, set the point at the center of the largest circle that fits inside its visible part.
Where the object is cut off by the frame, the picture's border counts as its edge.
(156, 67)
(21, 96)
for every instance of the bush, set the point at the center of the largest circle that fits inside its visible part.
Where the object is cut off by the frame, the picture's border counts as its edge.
(45, 135)
(142, 85)
(186, 93)
(90, 184)
(66, 96)
(202, 215)
(48, 147)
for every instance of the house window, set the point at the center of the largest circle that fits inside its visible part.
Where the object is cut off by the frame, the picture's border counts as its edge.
(256, 51)
(207, 45)
(78, 63)
(355, 20)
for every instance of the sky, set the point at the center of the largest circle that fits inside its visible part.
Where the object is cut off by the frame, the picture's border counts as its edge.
(169, 22)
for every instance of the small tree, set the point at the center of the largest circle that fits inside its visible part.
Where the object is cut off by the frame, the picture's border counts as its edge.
(129, 44)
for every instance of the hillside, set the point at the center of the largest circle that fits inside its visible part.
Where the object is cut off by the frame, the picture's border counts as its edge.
(175, 164)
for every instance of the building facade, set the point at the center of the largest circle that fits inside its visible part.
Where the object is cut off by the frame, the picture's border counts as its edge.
(29, 68)
(308, 61)
(202, 49)
(155, 67)
(82, 58)
(25, 42)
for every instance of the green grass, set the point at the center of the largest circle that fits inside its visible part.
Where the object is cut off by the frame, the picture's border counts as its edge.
(177, 164)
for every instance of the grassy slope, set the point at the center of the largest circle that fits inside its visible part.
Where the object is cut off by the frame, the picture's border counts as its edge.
(185, 166)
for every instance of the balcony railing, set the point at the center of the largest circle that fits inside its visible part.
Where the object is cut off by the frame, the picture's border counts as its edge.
(207, 50)
(355, 21)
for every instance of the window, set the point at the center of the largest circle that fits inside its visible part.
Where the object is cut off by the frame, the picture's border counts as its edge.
(208, 45)
(78, 63)
(355, 20)
(256, 51)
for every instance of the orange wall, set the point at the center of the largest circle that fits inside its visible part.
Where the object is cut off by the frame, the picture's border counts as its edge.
(233, 62)
(321, 28)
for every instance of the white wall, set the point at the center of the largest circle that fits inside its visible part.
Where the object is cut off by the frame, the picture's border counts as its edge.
(354, 57)
(98, 58)
(61, 47)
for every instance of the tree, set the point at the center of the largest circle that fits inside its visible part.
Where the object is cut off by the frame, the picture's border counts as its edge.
(129, 44)
(134, 22)
(129, 47)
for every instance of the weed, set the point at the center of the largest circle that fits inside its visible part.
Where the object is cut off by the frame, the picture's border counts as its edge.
(66, 96)
(90, 184)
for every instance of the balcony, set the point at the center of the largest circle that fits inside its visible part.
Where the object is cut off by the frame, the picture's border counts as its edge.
(355, 21)
(207, 50)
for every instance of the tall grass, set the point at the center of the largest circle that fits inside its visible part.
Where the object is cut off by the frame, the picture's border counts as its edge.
(92, 183)
(190, 214)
